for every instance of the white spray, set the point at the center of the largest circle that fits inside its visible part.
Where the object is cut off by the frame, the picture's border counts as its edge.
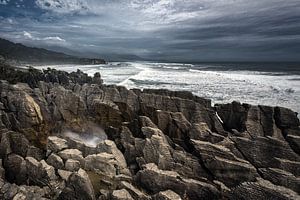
(92, 137)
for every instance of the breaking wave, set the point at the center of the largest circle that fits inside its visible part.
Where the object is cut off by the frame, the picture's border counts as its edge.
(223, 83)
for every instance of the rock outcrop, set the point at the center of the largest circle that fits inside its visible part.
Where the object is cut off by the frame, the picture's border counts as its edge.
(157, 144)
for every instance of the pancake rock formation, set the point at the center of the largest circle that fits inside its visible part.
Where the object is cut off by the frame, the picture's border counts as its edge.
(69, 136)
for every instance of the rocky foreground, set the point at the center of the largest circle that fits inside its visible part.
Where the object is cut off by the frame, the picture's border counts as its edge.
(158, 144)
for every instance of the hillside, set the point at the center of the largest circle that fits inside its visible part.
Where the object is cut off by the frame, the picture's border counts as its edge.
(18, 53)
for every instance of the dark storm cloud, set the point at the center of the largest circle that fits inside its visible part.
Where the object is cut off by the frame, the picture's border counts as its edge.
(191, 30)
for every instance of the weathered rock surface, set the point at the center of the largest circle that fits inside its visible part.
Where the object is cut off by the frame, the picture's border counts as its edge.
(121, 195)
(262, 189)
(55, 161)
(167, 195)
(157, 144)
(55, 144)
(156, 180)
(78, 186)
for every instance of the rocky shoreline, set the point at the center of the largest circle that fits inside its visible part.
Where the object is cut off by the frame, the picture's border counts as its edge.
(150, 144)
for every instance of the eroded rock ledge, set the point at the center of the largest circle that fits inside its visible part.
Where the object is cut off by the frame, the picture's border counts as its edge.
(158, 144)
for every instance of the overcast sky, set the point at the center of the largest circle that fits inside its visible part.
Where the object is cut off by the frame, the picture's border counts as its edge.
(173, 30)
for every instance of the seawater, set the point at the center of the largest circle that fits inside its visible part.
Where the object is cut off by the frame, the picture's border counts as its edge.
(254, 83)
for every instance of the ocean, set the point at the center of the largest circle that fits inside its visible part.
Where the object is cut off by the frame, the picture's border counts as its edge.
(273, 84)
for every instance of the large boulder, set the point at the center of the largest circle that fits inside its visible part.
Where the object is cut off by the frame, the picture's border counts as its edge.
(167, 195)
(40, 173)
(56, 144)
(286, 118)
(254, 120)
(55, 161)
(12, 142)
(27, 111)
(134, 192)
(157, 150)
(78, 187)
(72, 165)
(64, 109)
(81, 145)
(50, 171)
(175, 125)
(233, 115)
(36, 153)
(156, 180)
(102, 162)
(121, 195)
(201, 131)
(15, 169)
(223, 164)
(74, 154)
(108, 146)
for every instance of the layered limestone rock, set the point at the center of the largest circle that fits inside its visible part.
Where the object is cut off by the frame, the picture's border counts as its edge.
(158, 144)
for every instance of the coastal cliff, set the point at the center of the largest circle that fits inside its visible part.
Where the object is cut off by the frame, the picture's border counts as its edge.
(19, 54)
(150, 144)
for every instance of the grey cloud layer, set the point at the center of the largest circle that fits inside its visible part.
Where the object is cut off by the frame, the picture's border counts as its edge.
(177, 30)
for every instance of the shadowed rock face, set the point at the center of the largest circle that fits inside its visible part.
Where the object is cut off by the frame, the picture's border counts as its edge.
(160, 144)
